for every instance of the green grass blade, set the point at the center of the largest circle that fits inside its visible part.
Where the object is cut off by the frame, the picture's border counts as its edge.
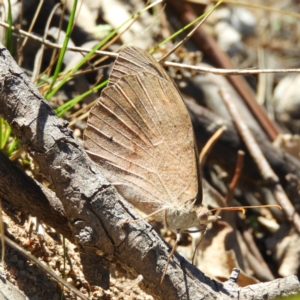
(6, 133)
(1, 132)
(60, 111)
(63, 50)
(185, 27)
(12, 147)
(9, 33)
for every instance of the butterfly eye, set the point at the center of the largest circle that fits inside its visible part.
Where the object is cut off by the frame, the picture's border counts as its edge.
(205, 217)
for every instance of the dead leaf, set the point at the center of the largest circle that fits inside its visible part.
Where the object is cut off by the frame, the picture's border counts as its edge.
(216, 261)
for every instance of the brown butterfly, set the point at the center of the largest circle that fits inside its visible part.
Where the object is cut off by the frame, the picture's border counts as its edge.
(141, 136)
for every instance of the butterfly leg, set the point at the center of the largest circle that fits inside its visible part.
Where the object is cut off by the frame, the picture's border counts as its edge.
(201, 238)
(141, 219)
(171, 254)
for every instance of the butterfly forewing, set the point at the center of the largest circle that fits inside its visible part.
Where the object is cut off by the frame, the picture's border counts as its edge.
(133, 60)
(141, 136)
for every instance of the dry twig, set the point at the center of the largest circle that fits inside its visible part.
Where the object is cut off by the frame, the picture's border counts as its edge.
(261, 162)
